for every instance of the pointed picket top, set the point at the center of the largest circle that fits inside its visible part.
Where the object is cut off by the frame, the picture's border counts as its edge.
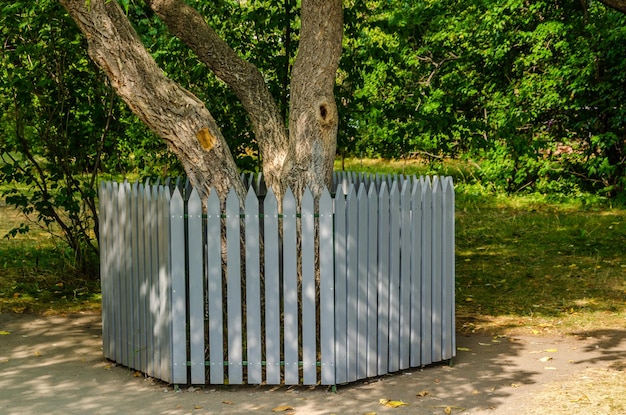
(325, 204)
(194, 203)
(270, 204)
(177, 203)
(251, 198)
(362, 193)
(448, 184)
(232, 199)
(383, 192)
(289, 203)
(393, 192)
(436, 183)
(351, 194)
(308, 201)
(406, 184)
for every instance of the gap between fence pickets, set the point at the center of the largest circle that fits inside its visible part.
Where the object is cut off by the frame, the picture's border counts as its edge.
(120, 341)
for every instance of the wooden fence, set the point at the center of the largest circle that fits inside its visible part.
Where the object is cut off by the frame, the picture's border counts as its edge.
(222, 297)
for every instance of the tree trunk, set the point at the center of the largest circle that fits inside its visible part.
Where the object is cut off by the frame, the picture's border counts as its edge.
(169, 110)
(313, 115)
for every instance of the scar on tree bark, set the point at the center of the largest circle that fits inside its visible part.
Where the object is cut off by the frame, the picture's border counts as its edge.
(206, 139)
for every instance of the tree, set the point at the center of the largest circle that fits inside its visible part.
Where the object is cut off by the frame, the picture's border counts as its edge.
(297, 152)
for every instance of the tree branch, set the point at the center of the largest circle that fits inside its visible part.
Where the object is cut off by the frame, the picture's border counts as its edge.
(242, 77)
(171, 111)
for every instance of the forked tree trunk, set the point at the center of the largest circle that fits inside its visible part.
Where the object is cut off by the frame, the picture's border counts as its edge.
(301, 157)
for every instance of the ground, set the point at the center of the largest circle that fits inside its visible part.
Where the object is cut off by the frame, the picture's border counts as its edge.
(54, 365)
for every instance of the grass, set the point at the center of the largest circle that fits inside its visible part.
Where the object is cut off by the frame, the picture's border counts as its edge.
(36, 273)
(523, 262)
(530, 264)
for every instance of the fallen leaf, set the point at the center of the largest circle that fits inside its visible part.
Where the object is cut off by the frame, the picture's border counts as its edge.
(370, 413)
(37, 353)
(107, 367)
(437, 381)
(421, 394)
(4, 333)
(448, 410)
(282, 408)
(463, 349)
(18, 310)
(550, 368)
(391, 404)
(137, 374)
(515, 385)
(197, 407)
(551, 350)
(484, 344)
(545, 359)
(227, 402)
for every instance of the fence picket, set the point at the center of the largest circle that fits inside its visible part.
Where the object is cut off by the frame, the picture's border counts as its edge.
(290, 289)
(341, 290)
(309, 314)
(383, 279)
(233, 290)
(372, 279)
(362, 281)
(179, 293)
(426, 300)
(436, 269)
(416, 274)
(394, 277)
(327, 309)
(253, 287)
(352, 227)
(214, 289)
(272, 289)
(196, 287)
(153, 298)
(165, 278)
(448, 269)
(105, 202)
(405, 274)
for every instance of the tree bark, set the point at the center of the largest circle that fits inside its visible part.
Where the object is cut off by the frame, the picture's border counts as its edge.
(242, 77)
(171, 111)
(313, 113)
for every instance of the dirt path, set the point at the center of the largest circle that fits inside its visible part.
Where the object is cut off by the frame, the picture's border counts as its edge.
(54, 365)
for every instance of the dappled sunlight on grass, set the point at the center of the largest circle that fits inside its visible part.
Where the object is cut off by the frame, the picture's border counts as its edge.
(36, 273)
(524, 259)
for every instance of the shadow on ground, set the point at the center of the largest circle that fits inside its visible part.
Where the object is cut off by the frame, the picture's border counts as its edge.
(54, 365)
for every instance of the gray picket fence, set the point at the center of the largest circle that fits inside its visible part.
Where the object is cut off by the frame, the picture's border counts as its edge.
(220, 296)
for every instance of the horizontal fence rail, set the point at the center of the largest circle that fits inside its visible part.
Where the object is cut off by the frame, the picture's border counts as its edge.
(357, 284)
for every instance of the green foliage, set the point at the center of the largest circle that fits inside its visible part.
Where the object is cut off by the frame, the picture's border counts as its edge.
(534, 92)
(61, 127)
